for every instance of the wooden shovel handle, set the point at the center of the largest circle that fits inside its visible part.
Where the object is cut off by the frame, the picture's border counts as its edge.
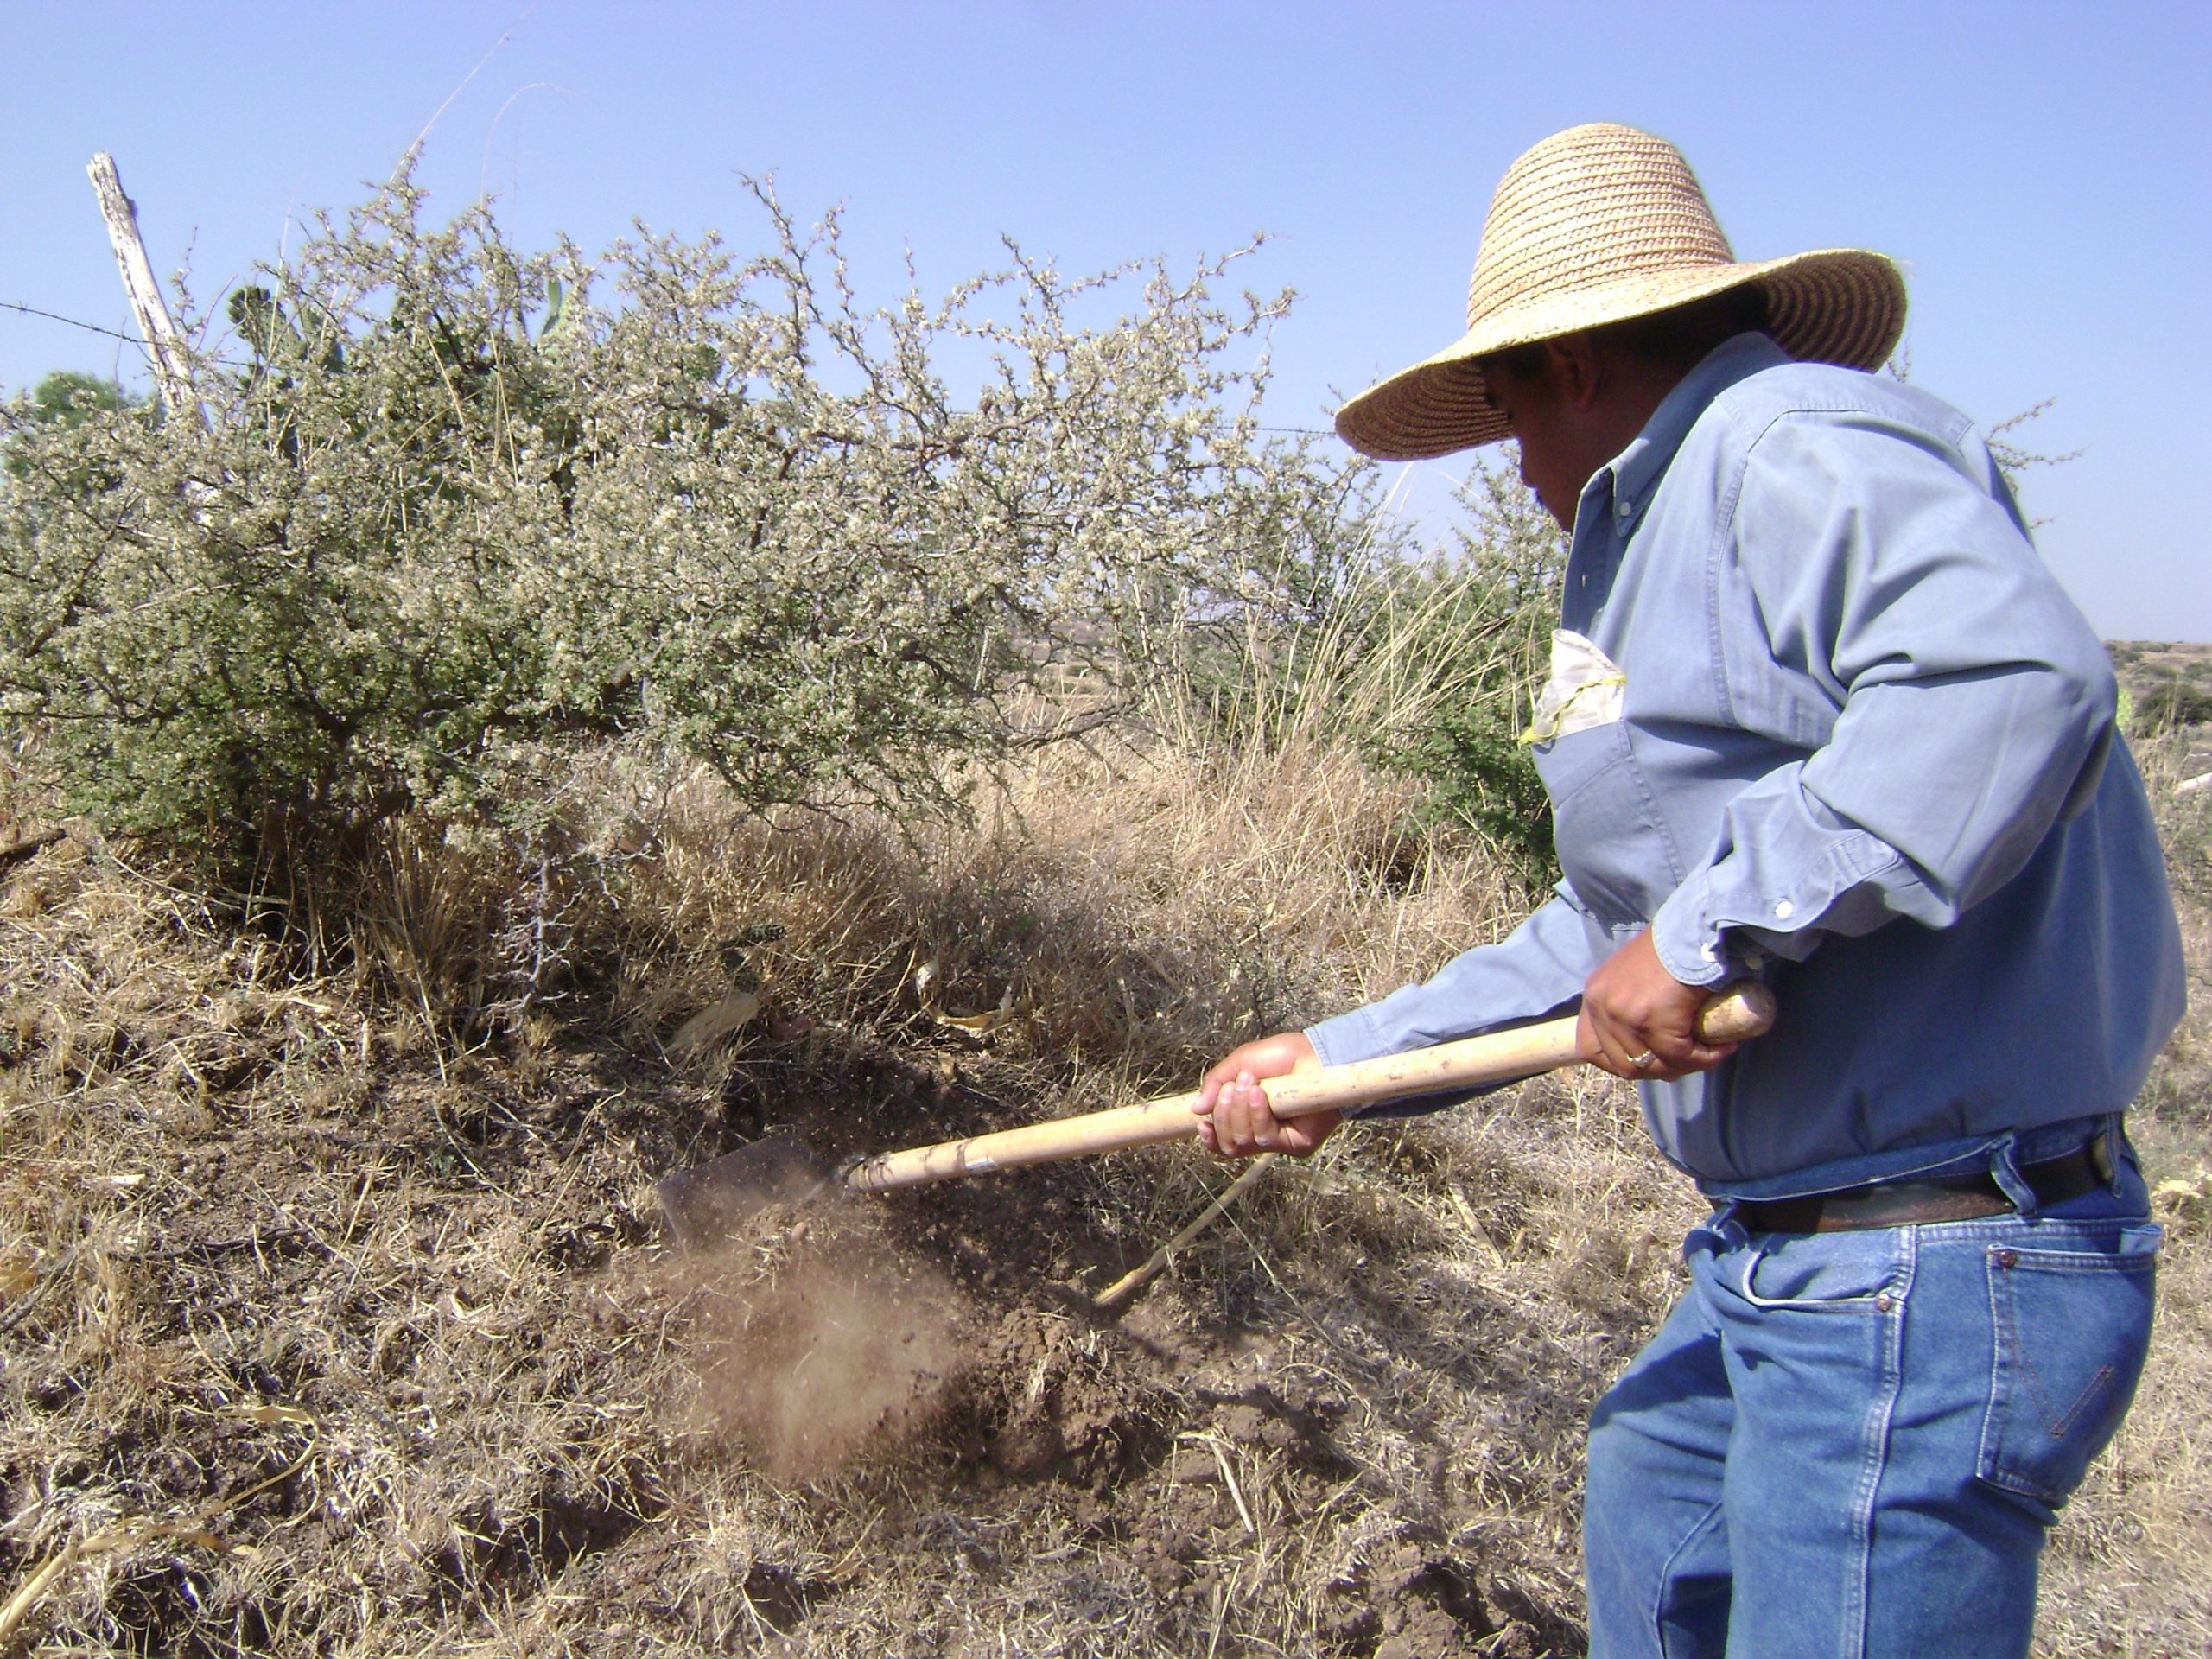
(1733, 1015)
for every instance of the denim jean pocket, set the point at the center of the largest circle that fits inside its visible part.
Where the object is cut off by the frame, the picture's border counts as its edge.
(1825, 1272)
(2070, 1328)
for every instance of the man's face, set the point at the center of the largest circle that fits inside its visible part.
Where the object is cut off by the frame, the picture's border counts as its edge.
(1554, 459)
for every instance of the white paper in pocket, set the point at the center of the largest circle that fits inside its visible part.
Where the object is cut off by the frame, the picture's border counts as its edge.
(1587, 688)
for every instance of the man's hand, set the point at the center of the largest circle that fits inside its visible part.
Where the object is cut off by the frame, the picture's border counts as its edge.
(1638, 1019)
(1234, 1120)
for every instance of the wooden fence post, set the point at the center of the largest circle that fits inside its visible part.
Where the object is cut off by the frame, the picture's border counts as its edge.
(171, 371)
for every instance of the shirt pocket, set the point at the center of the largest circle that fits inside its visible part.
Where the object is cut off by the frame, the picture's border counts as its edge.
(2070, 1330)
(1613, 844)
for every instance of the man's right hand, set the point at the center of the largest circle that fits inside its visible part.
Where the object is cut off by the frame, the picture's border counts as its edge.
(1234, 1118)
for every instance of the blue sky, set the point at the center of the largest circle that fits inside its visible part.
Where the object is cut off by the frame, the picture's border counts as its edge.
(2044, 171)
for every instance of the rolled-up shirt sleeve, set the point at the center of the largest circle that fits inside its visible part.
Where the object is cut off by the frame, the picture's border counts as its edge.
(1973, 705)
(1534, 971)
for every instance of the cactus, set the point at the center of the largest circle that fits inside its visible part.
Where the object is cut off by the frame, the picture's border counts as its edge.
(557, 311)
(262, 323)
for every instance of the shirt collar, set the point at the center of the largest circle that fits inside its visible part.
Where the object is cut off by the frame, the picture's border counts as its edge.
(1632, 474)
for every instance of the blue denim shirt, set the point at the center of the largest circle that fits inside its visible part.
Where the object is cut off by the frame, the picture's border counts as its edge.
(1866, 752)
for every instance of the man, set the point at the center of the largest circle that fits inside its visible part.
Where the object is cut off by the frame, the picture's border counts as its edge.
(1818, 715)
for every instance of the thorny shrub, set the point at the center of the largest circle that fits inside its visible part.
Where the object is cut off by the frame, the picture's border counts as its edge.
(446, 508)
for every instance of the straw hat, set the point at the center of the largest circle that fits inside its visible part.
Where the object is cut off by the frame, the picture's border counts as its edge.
(1597, 225)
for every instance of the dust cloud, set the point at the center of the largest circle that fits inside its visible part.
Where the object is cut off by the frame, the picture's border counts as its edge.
(816, 1346)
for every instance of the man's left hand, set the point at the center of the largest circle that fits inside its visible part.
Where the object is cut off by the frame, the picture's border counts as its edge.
(1639, 1022)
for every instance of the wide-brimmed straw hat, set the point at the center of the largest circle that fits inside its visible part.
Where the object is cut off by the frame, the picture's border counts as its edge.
(1598, 224)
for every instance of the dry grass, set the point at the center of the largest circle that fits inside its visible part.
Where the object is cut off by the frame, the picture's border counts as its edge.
(338, 1259)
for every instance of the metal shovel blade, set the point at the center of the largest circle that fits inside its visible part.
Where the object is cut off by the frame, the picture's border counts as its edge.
(706, 1204)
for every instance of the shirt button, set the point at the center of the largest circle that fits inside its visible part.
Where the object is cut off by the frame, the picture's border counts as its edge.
(1784, 910)
(1623, 507)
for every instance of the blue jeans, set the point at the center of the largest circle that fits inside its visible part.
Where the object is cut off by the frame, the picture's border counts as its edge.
(1851, 1445)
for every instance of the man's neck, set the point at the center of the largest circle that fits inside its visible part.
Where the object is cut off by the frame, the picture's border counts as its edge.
(1635, 391)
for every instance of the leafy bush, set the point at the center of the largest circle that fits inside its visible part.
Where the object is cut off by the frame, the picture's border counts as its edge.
(451, 507)
(1424, 663)
(2170, 704)
(1494, 603)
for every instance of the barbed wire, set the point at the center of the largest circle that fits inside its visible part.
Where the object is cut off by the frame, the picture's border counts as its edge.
(55, 316)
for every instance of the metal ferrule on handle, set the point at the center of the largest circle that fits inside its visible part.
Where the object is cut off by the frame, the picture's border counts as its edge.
(1738, 1012)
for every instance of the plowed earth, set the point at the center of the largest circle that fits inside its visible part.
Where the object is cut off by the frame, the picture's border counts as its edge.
(437, 1323)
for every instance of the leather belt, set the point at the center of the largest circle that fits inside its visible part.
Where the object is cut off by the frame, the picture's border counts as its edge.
(1952, 1197)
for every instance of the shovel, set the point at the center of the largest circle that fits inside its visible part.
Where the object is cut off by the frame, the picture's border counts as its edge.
(708, 1202)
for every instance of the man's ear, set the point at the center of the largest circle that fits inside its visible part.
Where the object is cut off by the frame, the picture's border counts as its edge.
(1577, 369)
